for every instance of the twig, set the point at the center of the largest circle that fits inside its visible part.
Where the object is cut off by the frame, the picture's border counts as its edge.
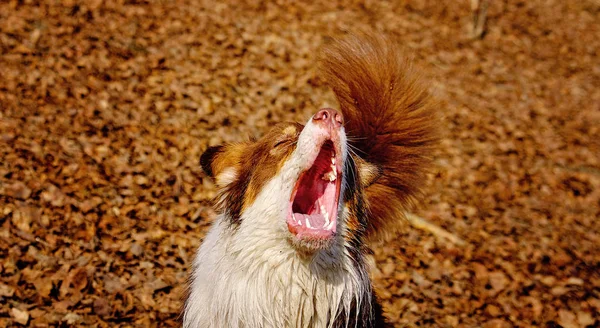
(479, 8)
(578, 169)
(422, 224)
(30, 237)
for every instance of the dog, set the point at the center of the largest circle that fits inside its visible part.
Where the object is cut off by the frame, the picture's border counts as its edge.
(299, 206)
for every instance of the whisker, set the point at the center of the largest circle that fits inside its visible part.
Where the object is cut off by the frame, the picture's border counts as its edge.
(354, 150)
(353, 138)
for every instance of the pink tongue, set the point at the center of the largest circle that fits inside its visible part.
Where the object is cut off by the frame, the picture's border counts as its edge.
(316, 220)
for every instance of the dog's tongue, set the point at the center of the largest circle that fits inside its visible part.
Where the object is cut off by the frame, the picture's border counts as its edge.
(312, 221)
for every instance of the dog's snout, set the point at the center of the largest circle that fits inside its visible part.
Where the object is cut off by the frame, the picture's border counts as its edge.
(328, 116)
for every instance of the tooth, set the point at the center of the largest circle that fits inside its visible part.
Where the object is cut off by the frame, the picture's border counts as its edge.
(331, 176)
(325, 214)
(330, 225)
(333, 160)
(307, 223)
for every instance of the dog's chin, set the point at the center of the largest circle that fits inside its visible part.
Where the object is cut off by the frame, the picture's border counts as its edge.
(311, 245)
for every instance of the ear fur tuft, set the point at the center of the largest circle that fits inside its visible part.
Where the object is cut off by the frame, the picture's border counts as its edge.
(208, 157)
(367, 172)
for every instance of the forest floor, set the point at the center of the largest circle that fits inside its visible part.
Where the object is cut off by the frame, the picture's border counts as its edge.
(106, 107)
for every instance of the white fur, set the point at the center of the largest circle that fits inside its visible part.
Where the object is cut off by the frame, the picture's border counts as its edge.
(251, 275)
(226, 177)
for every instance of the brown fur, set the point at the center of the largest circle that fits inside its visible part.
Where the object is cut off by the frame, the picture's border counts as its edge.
(254, 164)
(389, 120)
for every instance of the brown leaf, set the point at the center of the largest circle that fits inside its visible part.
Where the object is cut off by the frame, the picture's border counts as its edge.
(136, 249)
(20, 316)
(481, 272)
(498, 280)
(18, 190)
(24, 216)
(493, 310)
(388, 268)
(79, 279)
(89, 204)
(585, 319)
(36, 313)
(101, 307)
(567, 319)
(6, 291)
(72, 318)
(43, 286)
(420, 280)
(496, 323)
(155, 285)
(113, 285)
(54, 196)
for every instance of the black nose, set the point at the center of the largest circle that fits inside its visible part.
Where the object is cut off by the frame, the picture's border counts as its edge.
(329, 116)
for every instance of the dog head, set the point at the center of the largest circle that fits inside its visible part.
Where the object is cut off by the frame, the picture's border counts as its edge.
(297, 180)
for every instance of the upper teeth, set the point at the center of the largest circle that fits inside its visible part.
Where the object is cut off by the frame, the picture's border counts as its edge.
(331, 175)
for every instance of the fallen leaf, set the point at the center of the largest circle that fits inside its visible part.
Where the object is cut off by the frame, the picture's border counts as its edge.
(113, 285)
(567, 319)
(585, 319)
(18, 190)
(43, 286)
(72, 318)
(20, 316)
(496, 323)
(101, 307)
(6, 291)
(498, 281)
(54, 196)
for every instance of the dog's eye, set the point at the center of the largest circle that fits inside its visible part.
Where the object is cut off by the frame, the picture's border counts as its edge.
(278, 147)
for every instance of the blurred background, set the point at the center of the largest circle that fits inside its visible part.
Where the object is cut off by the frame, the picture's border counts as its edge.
(106, 106)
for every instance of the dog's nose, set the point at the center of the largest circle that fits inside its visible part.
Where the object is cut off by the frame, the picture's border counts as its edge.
(329, 116)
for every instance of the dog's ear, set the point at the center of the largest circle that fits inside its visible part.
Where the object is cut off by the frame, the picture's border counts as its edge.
(223, 163)
(368, 172)
(208, 157)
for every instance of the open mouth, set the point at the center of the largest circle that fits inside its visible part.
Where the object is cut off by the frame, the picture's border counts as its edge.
(314, 201)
